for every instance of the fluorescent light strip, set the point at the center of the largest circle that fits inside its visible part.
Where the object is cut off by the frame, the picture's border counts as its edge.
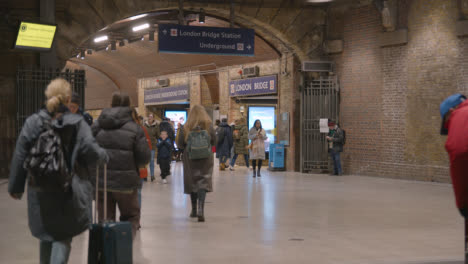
(138, 16)
(100, 39)
(141, 27)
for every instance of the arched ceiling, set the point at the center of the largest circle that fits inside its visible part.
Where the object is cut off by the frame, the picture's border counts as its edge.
(141, 59)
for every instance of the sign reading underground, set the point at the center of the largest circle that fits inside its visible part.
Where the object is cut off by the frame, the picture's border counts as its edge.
(206, 40)
(253, 86)
(166, 95)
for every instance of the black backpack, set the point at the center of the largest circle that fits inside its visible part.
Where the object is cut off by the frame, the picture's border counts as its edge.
(46, 161)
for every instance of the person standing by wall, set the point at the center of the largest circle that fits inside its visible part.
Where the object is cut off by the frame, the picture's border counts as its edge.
(240, 136)
(335, 146)
(198, 173)
(257, 151)
(125, 143)
(152, 127)
(48, 221)
(224, 144)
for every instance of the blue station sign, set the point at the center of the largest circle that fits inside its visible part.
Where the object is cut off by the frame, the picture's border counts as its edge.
(173, 94)
(254, 86)
(206, 40)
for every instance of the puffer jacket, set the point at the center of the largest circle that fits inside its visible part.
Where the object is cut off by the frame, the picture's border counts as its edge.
(166, 126)
(46, 222)
(125, 143)
(337, 140)
(242, 142)
(223, 148)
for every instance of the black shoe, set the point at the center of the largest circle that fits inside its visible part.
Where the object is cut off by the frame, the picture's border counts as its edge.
(254, 174)
(258, 174)
(145, 179)
(153, 178)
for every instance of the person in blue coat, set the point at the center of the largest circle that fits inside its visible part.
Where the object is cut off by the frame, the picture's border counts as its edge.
(56, 217)
(224, 143)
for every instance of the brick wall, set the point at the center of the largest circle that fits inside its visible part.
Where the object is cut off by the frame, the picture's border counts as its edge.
(390, 95)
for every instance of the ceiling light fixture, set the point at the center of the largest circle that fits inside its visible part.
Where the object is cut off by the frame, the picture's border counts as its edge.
(319, 1)
(100, 39)
(201, 16)
(138, 16)
(140, 27)
(113, 45)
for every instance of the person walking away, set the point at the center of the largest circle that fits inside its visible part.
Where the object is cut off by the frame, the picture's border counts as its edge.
(335, 146)
(152, 127)
(125, 143)
(225, 143)
(142, 171)
(257, 151)
(198, 166)
(165, 146)
(74, 107)
(240, 136)
(166, 125)
(54, 205)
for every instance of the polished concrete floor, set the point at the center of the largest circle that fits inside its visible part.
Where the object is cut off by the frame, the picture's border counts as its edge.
(279, 218)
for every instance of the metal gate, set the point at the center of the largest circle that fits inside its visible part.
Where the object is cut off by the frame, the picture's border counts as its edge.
(30, 87)
(320, 99)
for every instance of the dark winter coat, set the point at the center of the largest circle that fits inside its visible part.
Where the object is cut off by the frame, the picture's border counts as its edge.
(125, 143)
(198, 174)
(242, 142)
(164, 148)
(59, 215)
(337, 140)
(153, 131)
(223, 148)
(166, 126)
(87, 117)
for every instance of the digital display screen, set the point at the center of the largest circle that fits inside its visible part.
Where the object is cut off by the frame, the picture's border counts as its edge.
(267, 116)
(35, 36)
(177, 116)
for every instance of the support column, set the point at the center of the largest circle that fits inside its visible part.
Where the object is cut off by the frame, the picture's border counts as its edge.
(47, 11)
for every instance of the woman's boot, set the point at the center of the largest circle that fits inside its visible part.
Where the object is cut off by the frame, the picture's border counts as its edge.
(193, 199)
(201, 205)
(254, 166)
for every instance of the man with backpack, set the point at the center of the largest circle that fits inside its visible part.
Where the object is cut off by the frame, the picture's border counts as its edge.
(335, 140)
(224, 143)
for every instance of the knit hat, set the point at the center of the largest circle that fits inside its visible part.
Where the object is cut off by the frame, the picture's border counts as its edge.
(449, 103)
(75, 98)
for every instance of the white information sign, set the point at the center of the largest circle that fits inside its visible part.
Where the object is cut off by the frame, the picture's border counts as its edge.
(324, 125)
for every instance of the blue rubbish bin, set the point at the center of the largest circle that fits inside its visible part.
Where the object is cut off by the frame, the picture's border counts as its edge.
(276, 162)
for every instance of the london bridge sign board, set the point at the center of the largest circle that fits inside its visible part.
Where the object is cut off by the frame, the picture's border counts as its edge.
(253, 86)
(206, 40)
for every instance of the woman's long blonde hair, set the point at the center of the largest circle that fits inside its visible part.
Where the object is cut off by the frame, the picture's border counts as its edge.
(58, 92)
(197, 117)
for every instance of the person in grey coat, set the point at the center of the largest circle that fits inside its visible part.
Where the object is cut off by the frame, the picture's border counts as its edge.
(125, 143)
(56, 217)
(198, 174)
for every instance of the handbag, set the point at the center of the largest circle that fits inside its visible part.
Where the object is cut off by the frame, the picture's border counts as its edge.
(143, 173)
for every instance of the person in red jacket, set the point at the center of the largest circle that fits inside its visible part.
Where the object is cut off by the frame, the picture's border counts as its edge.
(454, 112)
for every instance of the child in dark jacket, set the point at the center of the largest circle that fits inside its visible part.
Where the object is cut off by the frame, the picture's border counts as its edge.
(164, 146)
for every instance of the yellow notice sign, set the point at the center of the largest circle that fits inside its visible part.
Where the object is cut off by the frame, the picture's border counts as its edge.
(33, 35)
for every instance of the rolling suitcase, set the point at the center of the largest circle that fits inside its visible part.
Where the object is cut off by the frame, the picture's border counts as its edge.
(109, 242)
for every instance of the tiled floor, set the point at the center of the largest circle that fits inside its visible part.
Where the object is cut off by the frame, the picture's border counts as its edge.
(279, 218)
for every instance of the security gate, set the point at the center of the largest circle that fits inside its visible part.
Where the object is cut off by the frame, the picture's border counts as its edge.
(30, 87)
(320, 99)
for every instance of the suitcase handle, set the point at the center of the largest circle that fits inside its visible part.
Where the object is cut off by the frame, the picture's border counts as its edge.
(95, 219)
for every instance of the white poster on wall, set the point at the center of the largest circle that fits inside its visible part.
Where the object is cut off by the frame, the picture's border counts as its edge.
(324, 125)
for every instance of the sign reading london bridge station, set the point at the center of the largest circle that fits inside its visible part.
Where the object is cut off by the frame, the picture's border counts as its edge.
(206, 40)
